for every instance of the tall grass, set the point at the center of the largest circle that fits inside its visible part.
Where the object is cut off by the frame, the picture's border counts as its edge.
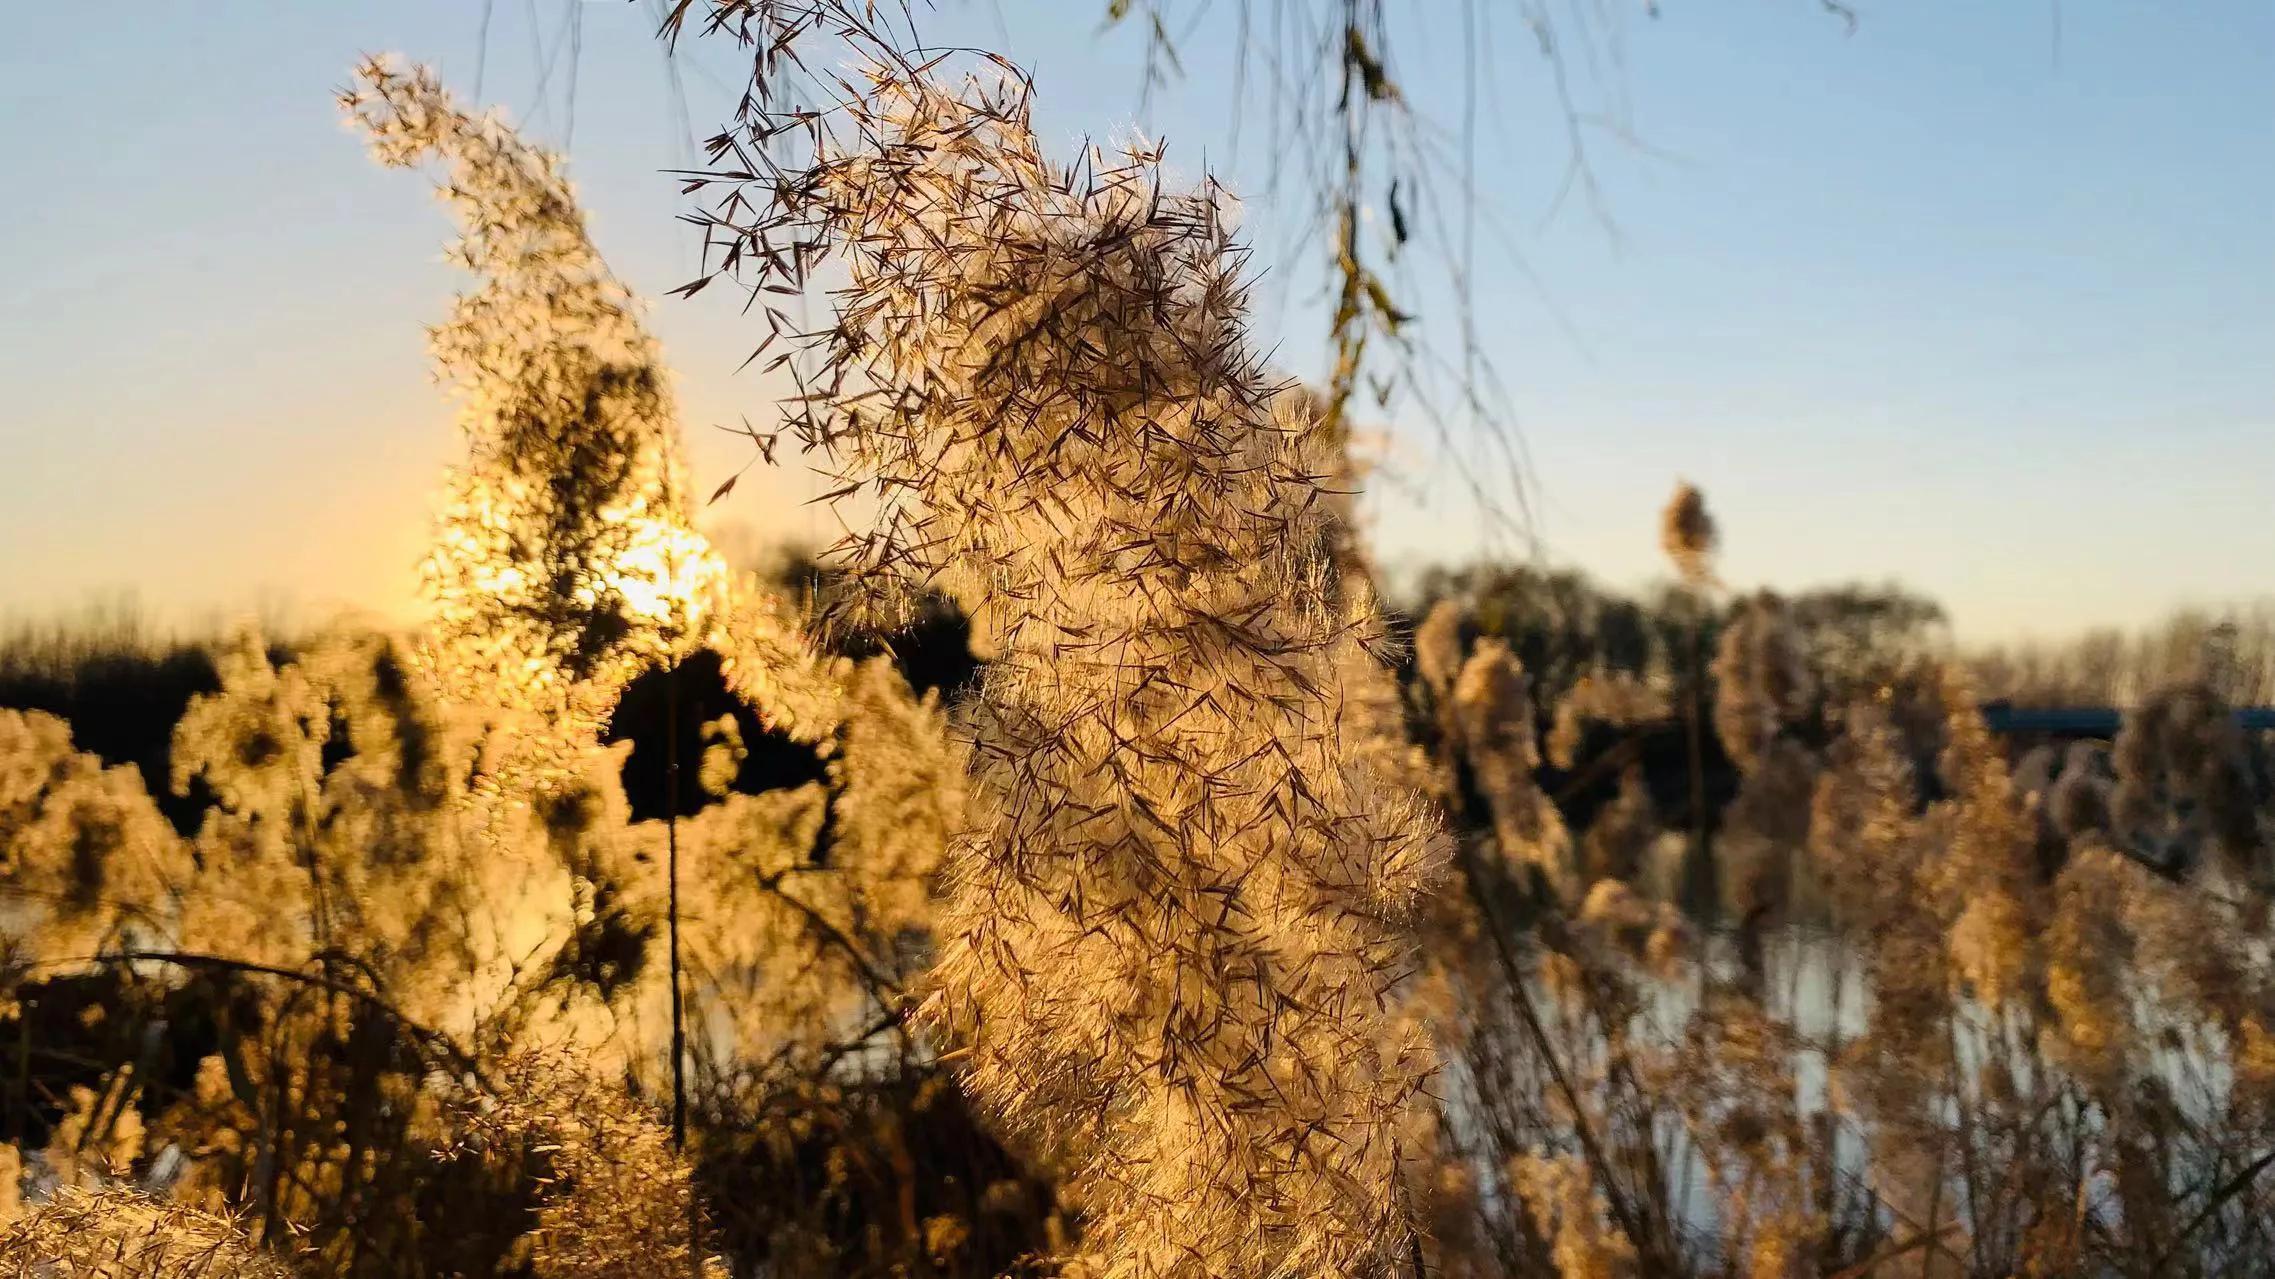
(628, 921)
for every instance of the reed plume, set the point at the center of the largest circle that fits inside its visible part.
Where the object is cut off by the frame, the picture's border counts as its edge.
(118, 1234)
(1687, 533)
(1171, 930)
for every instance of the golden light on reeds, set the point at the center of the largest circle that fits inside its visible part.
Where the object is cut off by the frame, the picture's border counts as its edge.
(1131, 953)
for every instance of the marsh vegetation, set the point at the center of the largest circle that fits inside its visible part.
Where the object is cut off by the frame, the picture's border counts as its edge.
(1081, 869)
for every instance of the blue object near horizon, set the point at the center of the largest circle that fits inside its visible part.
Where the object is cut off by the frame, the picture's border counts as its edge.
(2092, 721)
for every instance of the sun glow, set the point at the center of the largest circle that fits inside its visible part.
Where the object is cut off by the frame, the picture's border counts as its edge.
(666, 575)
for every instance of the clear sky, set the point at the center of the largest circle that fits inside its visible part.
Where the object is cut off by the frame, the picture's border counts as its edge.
(1980, 297)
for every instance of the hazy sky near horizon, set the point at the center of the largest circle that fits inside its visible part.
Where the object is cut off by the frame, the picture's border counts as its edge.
(1980, 298)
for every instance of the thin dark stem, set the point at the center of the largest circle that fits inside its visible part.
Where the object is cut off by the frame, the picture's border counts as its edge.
(881, 983)
(678, 996)
(443, 1048)
(2219, 1199)
(482, 49)
(671, 872)
(1693, 713)
(1627, 1216)
(1617, 756)
(1917, 1242)
(1512, 971)
(23, 1108)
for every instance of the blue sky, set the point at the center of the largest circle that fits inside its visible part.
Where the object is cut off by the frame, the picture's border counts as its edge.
(1977, 297)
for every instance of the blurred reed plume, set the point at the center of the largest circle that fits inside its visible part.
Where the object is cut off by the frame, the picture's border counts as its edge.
(615, 1199)
(1952, 1007)
(397, 867)
(1687, 534)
